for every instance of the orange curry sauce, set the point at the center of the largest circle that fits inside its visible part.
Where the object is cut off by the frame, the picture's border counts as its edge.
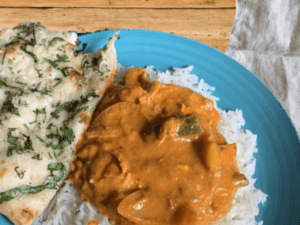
(153, 155)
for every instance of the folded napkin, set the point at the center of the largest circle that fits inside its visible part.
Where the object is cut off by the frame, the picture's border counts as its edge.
(265, 39)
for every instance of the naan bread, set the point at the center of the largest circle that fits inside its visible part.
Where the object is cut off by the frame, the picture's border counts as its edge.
(48, 92)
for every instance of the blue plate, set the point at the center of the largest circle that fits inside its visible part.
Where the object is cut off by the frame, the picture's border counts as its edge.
(278, 157)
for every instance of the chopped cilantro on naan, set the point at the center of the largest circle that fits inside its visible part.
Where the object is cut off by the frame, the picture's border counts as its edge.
(48, 91)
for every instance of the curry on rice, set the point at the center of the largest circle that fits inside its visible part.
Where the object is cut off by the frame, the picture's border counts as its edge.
(153, 155)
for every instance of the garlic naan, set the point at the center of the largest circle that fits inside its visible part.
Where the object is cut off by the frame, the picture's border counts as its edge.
(48, 92)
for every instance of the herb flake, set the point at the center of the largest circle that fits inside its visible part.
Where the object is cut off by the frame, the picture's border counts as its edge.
(20, 174)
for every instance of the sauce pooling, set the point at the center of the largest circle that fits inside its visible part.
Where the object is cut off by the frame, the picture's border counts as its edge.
(153, 155)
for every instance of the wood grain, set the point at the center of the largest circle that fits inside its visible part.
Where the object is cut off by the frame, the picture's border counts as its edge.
(210, 26)
(121, 3)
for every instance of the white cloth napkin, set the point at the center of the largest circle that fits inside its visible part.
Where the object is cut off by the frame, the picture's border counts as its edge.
(265, 39)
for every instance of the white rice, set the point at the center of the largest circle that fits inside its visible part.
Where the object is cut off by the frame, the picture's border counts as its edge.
(68, 208)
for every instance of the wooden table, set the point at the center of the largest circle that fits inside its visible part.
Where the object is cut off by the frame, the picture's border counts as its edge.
(207, 21)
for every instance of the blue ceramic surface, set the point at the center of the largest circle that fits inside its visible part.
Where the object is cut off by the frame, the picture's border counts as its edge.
(278, 157)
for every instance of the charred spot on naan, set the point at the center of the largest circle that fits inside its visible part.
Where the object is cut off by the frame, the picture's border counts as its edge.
(109, 80)
(13, 50)
(84, 118)
(70, 47)
(76, 78)
(49, 70)
(28, 213)
(3, 172)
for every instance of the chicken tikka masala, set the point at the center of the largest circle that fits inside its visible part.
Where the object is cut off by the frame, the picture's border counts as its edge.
(153, 155)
